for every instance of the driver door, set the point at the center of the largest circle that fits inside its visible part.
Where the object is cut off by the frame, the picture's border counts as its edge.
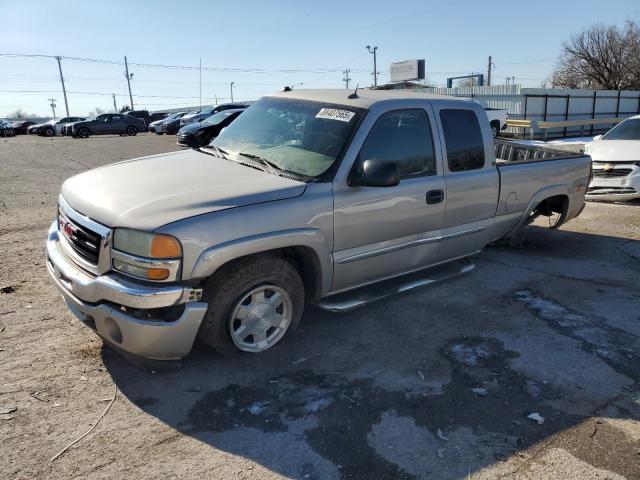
(380, 232)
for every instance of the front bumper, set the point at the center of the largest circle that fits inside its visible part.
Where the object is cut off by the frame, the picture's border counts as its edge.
(618, 183)
(101, 302)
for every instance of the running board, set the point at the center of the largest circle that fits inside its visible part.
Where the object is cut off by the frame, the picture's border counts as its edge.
(346, 301)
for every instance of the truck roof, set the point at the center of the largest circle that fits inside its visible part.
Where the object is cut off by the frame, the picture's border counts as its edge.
(366, 97)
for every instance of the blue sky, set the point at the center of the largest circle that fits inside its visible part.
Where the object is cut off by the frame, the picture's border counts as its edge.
(523, 37)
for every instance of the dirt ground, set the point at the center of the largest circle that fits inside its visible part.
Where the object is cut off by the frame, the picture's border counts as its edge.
(435, 383)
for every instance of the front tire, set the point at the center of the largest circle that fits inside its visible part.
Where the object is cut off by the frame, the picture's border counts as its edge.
(253, 303)
(132, 131)
(83, 132)
(49, 132)
(495, 129)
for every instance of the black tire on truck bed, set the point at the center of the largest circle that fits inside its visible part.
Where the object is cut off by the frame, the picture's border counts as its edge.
(226, 288)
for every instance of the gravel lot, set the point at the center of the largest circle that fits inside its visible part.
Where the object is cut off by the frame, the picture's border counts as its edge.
(551, 326)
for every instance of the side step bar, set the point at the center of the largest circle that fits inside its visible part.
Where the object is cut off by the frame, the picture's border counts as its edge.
(346, 301)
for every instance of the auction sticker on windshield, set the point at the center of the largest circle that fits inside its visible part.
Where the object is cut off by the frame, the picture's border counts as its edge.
(335, 114)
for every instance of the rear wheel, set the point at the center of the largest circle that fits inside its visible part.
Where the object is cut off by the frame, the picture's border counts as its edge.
(131, 131)
(253, 303)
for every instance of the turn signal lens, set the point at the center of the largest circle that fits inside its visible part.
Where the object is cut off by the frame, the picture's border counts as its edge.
(157, 273)
(150, 273)
(164, 246)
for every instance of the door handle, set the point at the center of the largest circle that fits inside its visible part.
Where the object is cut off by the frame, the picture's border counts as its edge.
(435, 196)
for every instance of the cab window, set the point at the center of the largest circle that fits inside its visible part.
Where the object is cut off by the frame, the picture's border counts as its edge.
(463, 139)
(404, 138)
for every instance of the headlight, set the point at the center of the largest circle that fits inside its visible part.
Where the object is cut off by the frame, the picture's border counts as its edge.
(151, 256)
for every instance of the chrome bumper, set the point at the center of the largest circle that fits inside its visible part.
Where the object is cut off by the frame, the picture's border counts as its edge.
(87, 297)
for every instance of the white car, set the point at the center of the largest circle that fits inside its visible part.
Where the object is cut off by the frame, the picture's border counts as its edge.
(616, 163)
(53, 126)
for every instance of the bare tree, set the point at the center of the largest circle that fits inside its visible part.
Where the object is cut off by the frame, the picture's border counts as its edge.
(95, 112)
(601, 57)
(18, 114)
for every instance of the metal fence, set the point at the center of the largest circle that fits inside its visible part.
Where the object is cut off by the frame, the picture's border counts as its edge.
(552, 104)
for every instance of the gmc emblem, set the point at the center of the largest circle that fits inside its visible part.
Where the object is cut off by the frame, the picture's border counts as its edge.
(68, 229)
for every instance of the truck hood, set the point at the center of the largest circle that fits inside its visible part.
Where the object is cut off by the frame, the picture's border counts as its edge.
(614, 150)
(149, 192)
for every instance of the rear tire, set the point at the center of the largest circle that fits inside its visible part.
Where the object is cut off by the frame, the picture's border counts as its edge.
(131, 131)
(261, 297)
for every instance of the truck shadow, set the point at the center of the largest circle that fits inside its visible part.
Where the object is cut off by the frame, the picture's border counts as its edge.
(417, 386)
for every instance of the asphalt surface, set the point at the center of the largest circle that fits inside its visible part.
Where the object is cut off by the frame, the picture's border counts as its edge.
(435, 383)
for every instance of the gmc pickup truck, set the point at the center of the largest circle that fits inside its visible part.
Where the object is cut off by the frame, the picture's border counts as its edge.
(309, 196)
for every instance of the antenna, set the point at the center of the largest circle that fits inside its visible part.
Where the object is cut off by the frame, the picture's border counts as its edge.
(355, 93)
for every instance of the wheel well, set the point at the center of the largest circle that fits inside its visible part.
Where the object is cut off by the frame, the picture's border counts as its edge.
(555, 204)
(308, 265)
(304, 259)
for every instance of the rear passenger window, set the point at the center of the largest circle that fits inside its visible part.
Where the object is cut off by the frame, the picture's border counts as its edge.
(403, 137)
(463, 139)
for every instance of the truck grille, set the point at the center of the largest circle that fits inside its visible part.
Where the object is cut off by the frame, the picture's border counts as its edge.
(613, 173)
(85, 242)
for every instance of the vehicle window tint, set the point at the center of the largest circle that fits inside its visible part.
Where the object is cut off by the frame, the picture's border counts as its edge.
(627, 130)
(403, 137)
(463, 139)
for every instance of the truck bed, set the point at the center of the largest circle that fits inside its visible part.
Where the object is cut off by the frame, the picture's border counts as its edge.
(529, 174)
(513, 152)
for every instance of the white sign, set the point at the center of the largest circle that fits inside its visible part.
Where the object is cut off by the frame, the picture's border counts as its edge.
(407, 70)
(335, 114)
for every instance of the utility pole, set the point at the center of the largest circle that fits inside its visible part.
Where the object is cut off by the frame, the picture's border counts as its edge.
(129, 77)
(232, 91)
(216, 98)
(346, 78)
(489, 72)
(200, 83)
(64, 90)
(115, 107)
(52, 104)
(373, 50)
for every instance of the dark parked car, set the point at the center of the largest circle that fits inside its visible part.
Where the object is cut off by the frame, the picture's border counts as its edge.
(199, 134)
(21, 126)
(171, 127)
(158, 125)
(108, 123)
(146, 116)
(207, 112)
(6, 130)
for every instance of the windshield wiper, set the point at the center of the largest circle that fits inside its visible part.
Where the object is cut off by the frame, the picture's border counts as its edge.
(223, 153)
(272, 167)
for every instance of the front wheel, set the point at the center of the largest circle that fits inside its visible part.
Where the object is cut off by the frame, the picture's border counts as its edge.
(253, 303)
(495, 129)
(49, 132)
(83, 132)
(132, 131)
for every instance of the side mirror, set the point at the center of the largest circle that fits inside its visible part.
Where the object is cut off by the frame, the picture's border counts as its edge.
(597, 137)
(375, 173)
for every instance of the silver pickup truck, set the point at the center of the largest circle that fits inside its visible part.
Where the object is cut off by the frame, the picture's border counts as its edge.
(309, 196)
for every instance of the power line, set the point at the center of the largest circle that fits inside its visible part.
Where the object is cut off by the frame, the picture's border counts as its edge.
(542, 60)
(186, 67)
